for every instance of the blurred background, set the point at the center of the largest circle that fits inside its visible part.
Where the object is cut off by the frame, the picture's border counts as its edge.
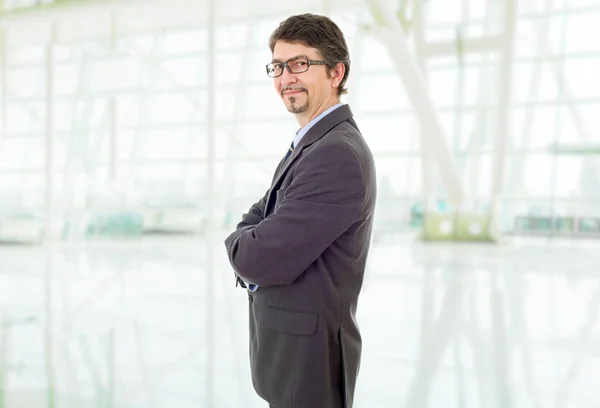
(135, 133)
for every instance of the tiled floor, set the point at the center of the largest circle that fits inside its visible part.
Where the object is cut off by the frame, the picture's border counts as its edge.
(142, 324)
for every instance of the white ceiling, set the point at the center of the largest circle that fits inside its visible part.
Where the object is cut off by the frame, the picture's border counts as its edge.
(93, 17)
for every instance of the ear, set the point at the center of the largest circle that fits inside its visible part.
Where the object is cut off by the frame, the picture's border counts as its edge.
(337, 74)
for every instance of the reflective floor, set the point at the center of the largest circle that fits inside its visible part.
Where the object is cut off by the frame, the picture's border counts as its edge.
(142, 324)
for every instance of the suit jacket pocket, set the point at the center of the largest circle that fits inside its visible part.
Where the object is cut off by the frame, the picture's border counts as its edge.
(300, 322)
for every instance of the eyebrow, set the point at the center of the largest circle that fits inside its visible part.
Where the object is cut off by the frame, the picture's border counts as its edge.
(297, 56)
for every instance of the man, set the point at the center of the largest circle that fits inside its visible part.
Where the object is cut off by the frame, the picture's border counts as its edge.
(301, 250)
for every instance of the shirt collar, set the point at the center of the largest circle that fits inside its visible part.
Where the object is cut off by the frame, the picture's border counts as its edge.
(302, 131)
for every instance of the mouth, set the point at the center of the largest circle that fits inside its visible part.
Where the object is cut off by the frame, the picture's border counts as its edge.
(293, 92)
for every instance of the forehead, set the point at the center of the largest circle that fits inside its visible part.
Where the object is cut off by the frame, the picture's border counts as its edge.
(284, 51)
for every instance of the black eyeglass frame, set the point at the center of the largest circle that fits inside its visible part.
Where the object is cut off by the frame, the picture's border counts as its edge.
(289, 68)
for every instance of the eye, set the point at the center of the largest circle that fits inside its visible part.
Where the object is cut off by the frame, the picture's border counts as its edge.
(300, 64)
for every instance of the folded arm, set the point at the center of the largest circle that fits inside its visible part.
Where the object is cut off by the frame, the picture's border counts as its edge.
(253, 217)
(255, 214)
(321, 203)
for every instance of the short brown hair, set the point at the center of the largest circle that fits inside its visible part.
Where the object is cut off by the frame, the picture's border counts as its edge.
(318, 32)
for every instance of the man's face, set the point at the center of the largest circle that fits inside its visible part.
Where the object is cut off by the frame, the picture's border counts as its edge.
(306, 92)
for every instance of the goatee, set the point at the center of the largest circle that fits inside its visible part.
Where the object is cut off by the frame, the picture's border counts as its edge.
(292, 108)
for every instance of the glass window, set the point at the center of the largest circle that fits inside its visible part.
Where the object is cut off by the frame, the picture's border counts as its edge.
(176, 73)
(24, 117)
(529, 175)
(374, 56)
(399, 176)
(383, 92)
(24, 54)
(581, 77)
(534, 82)
(175, 108)
(389, 133)
(26, 82)
(534, 127)
(114, 74)
(582, 32)
(176, 42)
(442, 86)
(439, 11)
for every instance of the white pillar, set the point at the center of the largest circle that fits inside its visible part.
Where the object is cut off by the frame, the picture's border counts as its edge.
(3, 82)
(426, 156)
(112, 139)
(48, 136)
(3, 360)
(209, 281)
(111, 391)
(48, 325)
(113, 125)
(48, 221)
(504, 106)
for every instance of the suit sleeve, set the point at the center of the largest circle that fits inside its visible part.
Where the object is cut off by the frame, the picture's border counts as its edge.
(322, 202)
(255, 214)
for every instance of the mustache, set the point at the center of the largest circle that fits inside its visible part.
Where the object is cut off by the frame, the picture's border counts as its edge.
(292, 88)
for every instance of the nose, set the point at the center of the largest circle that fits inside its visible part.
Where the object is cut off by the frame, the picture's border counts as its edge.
(287, 78)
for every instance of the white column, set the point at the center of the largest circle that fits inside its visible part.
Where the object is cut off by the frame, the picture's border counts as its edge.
(3, 360)
(504, 105)
(209, 280)
(483, 104)
(113, 126)
(112, 139)
(111, 391)
(48, 221)
(426, 156)
(48, 325)
(3, 84)
(48, 137)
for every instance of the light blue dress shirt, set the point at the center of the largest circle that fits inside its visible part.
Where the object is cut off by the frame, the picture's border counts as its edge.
(299, 135)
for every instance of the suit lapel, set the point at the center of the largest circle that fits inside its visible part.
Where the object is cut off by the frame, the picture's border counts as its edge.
(319, 130)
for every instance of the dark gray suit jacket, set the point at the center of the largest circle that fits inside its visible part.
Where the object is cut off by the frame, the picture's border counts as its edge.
(306, 243)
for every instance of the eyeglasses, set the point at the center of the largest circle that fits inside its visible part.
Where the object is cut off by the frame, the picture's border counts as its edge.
(296, 65)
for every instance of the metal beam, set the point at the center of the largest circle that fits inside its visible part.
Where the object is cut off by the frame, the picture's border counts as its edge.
(575, 149)
(469, 45)
(391, 35)
(44, 7)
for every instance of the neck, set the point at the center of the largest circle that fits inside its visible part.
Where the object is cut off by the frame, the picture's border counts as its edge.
(304, 118)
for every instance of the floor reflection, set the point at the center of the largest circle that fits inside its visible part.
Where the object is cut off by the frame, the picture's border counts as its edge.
(133, 324)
